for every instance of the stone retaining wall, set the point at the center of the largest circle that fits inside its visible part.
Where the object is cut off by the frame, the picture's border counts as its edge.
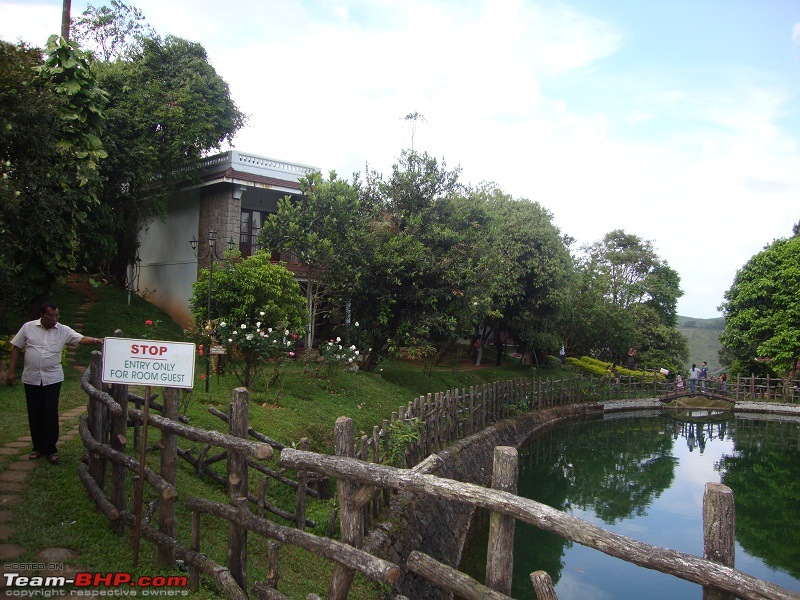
(439, 527)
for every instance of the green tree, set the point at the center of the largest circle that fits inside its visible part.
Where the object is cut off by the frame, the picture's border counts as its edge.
(51, 119)
(411, 287)
(249, 290)
(326, 228)
(168, 108)
(762, 311)
(529, 274)
(618, 274)
(658, 345)
(631, 272)
(111, 32)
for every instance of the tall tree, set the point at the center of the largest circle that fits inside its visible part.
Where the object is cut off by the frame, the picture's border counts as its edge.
(414, 256)
(762, 311)
(620, 276)
(51, 119)
(112, 32)
(326, 227)
(168, 108)
(528, 272)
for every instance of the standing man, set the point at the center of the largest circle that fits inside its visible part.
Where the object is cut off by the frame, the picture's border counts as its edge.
(693, 374)
(703, 376)
(42, 340)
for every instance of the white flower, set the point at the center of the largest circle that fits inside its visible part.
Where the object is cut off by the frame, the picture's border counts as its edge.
(338, 339)
(356, 323)
(258, 323)
(243, 326)
(233, 332)
(261, 314)
(230, 340)
(223, 324)
(353, 347)
(349, 360)
(249, 336)
(356, 352)
(286, 332)
(269, 330)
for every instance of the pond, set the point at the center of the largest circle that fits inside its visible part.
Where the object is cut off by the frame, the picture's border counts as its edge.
(643, 476)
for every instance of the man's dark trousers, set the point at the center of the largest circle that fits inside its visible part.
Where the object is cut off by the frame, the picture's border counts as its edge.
(42, 403)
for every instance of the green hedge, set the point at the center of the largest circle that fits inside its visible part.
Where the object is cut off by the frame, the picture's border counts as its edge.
(593, 366)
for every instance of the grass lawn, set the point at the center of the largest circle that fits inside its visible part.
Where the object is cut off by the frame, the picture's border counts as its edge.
(54, 509)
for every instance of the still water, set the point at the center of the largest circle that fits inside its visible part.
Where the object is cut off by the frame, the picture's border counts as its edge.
(644, 476)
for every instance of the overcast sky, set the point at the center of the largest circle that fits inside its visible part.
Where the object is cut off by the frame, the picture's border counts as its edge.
(675, 120)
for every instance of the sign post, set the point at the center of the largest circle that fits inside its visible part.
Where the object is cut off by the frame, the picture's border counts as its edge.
(146, 362)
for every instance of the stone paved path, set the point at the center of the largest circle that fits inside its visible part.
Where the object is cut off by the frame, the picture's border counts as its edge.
(15, 470)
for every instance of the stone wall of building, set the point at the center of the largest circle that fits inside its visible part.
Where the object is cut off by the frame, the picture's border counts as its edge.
(439, 527)
(220, 210)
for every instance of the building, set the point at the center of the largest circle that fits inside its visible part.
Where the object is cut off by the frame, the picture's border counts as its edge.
(232, 197)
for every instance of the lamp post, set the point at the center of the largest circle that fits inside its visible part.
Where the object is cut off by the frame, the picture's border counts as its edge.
(211, 255)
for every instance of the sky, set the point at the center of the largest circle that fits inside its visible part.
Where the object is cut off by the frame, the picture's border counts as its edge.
(674, 120)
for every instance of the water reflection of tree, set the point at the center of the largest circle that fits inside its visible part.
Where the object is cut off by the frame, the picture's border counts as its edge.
(615, 468)
(761, 474)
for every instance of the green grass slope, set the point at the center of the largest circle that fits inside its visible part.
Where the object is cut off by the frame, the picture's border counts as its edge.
(703, 336)
(54, 510)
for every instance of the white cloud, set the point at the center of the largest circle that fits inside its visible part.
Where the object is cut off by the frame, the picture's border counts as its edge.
(695, 157)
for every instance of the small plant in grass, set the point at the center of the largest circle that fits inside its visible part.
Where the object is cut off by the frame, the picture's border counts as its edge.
(251, 347)
(401, 434)
(335, 358)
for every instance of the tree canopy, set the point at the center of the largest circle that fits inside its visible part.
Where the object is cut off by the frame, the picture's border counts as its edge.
(168, 107)
(51, 121)
(249, 290)
(762, 311)
(626, 296)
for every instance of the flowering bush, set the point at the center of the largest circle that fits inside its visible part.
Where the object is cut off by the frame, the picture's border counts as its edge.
(336, 357)
(251, 346)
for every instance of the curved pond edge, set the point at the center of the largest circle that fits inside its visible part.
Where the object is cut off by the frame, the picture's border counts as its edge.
(438, 527)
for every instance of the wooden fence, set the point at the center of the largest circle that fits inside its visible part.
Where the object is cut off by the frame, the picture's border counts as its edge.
(433, 422)
(358, 481)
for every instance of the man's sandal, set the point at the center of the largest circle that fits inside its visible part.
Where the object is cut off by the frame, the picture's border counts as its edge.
(54, 459)
(35, 455)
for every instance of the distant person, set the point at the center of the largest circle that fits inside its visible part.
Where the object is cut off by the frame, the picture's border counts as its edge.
(499, 346)
(614, 372)
(563, 355)
(42, 340)
(479, 350)
(703, 376)
(631, 358)
(679, 384)
(723, 383)
(694, 373)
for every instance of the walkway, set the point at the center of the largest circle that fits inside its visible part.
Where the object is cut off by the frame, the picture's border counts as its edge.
(15, 468)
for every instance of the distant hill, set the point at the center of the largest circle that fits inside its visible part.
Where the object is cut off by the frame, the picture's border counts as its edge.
(703, 336)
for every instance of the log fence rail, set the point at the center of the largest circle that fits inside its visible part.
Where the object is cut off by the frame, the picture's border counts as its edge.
(366, 481)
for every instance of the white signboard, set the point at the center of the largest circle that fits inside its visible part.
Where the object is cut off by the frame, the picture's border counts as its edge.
(148, 362)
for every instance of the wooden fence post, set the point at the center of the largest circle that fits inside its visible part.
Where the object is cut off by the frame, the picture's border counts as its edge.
(169, 471)
(119, 434)
(98, 420)
(194, 572)
(500, 553)
(272, 563)
(543, 586)
(351, 522)
(237, 486)
(719, 531)
(302, 482)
